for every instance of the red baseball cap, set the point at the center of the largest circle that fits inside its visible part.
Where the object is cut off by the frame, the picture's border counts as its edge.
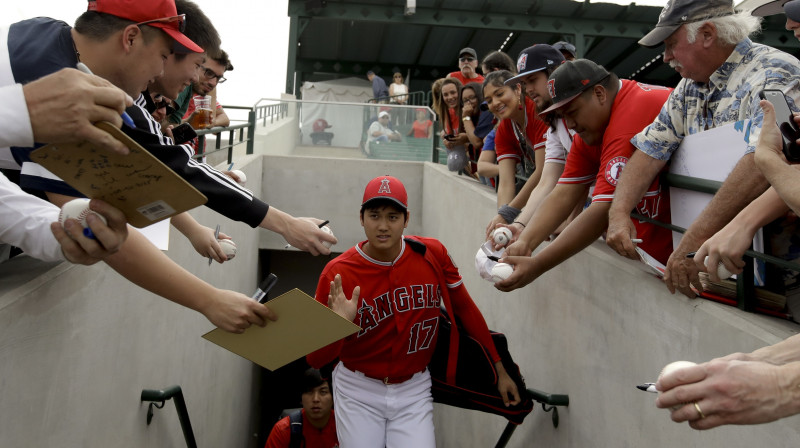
(386, 187)
(160, 14)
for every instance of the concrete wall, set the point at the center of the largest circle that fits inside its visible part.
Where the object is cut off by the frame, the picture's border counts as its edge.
(78, 344)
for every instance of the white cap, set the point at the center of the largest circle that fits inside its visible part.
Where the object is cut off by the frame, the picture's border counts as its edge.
(383, 114)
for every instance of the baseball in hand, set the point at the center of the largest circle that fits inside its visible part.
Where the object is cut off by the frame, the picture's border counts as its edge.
(501, 271)
(242, 177)
(672, 367)
(328, 230)
(501, 235)
(722, 271)
(229, 247)
(79, 209)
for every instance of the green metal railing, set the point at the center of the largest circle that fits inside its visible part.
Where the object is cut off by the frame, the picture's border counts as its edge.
(174, 393)
(418, 98)
(550, 403)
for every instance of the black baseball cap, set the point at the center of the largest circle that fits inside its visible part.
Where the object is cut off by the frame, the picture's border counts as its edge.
(536, 58)
(791, 8)
(566, 46)
(571, 79)
(680, 12)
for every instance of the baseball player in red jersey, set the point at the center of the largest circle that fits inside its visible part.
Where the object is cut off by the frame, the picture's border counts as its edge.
(381, 385)
(606, 112)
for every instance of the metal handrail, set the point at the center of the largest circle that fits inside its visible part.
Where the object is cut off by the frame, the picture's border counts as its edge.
(414, 99)
(550, 403)
(176, 394)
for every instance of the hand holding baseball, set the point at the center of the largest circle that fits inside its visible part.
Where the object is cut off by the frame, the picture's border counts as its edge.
(108, 225)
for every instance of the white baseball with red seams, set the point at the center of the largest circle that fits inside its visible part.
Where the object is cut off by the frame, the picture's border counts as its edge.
(501, 235)
(78, 209)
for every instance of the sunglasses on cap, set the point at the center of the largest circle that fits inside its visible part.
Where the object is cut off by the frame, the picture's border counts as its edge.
(180, 18)
(466, 59)
(209, 74)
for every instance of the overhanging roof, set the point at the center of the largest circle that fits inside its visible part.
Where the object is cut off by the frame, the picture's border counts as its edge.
(338, 38)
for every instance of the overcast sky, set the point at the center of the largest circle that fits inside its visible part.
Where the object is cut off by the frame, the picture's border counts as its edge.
(255, 33)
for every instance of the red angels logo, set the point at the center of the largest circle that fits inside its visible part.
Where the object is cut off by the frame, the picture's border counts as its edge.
(384, 188)
(523, 59)
(585, 81)
(551, 88)
(614, 169)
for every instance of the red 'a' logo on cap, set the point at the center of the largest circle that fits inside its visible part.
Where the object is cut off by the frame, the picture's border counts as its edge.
(384, 188)
(551, 88)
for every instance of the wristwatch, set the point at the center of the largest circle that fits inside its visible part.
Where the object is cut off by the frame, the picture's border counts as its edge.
(467, 118)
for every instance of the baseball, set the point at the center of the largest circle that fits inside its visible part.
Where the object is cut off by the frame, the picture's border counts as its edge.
(501, 235)
(229, 247)
(242, 177)
(672, 367)
(722, 271)
(79, 209)
(501, 271)
(328, 230)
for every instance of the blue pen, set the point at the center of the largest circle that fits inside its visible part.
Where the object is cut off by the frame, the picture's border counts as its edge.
(230, 167)
(125, 117)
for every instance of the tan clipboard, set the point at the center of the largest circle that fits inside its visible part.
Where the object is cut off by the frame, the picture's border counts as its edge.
(139, 184)
(303, 325)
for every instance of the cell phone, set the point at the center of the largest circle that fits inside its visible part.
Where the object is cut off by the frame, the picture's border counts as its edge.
(183, 133)
(784, 118)
(449, 137)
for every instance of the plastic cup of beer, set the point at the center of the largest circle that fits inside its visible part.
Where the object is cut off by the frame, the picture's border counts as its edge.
(203, 114)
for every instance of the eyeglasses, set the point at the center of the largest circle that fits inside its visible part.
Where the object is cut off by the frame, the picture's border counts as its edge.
(466, 59)
(209, 74)
(180, 18)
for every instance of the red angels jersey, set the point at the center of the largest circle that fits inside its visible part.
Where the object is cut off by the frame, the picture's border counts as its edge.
(398, 310)
(635, 106)
(506, 141)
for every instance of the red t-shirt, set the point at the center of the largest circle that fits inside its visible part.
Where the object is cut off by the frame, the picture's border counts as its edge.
(465, 81)
(398, 311)
(421, 128)
(507, 144)
(635, 106)
(281, 434)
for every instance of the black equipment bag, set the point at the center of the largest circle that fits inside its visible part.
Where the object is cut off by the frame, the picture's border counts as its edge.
(475, 385)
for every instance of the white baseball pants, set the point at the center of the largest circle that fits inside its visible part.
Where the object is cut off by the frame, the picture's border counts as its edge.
(370, 414)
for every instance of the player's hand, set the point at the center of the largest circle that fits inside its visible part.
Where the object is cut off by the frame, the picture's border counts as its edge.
(680, 272)
(526, 270)
(619, 234)
(64, 106)
(305, 234)
(109, 237)
(338, 301)
(506, 386)
(728, 246)
(235, 312)
(496, 222)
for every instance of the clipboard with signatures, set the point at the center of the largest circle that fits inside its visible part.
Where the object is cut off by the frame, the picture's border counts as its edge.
(139, 184)
(303, 326)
